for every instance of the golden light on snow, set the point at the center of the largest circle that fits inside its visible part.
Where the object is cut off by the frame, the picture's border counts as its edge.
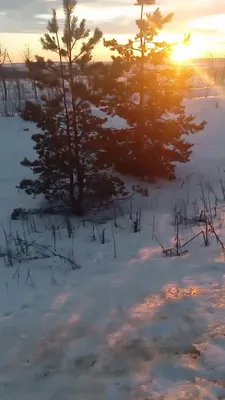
(169, 292)
(173, 292)
(145, 254)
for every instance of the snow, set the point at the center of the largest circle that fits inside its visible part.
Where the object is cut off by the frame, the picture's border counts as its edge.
(131, 325)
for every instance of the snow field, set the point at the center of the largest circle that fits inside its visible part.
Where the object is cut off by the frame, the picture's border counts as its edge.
(131, 323)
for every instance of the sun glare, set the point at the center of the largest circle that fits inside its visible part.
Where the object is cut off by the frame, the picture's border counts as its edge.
(181, 53)
(188, 51)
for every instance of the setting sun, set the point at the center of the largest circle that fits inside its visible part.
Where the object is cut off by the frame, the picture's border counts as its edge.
(180, 53)
(183, 52)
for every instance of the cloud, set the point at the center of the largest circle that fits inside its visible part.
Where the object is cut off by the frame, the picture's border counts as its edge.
(114, 18)
(213, 22)
(19, 15)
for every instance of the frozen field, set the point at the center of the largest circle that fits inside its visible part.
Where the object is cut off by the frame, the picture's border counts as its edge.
(120, 320)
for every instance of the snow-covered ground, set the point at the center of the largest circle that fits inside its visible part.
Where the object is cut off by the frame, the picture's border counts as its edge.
(131, 323)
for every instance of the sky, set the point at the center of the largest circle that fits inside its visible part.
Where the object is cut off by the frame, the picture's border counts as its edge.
(22, 22)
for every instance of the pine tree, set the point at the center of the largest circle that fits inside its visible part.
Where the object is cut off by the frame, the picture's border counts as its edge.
(72, 164)
(147, 91)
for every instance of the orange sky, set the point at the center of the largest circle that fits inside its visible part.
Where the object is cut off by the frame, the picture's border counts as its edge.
(23, 21)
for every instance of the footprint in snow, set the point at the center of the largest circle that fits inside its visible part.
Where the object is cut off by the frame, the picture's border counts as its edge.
(85, 362)
(8, 314)
(25, 307)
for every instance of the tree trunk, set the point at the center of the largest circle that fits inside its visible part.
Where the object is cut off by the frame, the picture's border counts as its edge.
(78, 166)
(140, 125)
(6, 111)
(76, 203)
(35, 89)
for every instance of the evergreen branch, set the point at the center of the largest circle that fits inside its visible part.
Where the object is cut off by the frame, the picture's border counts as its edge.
(78, 56)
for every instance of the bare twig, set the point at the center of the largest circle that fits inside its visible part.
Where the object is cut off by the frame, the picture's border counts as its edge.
(217, 237)
(114, 243)
(30, 279)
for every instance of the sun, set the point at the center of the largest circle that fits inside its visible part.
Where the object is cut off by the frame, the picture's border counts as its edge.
(182, 52)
